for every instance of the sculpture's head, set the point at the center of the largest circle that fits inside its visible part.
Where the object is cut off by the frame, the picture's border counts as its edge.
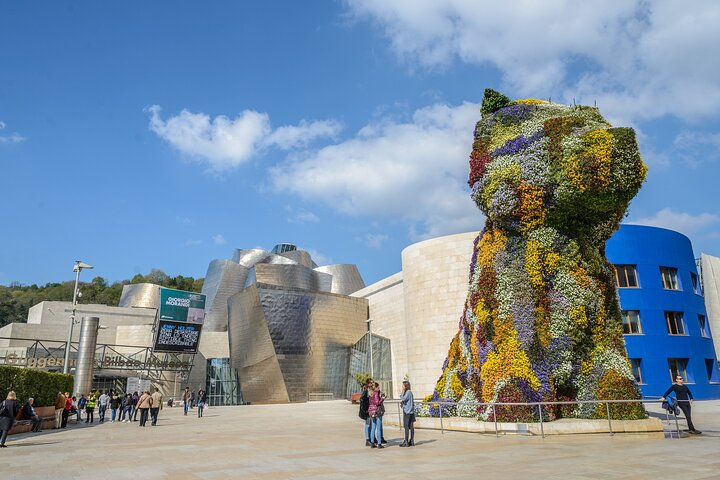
(536, 164)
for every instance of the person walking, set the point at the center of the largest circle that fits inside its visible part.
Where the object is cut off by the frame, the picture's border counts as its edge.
(201, 399)
(364, 414)
(144, 404)
(8, 411)
(90, 408)
(157, 405)
(28, 413)
(75, 408)
(376, 409)
(126, 408)
(407, 400)
(59, 409)
(684, 398)
(103, 403)
(114, 405)
(66, 412)
(186, 399)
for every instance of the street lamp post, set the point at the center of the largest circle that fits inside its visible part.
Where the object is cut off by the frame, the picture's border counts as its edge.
(77, 268)
(370, 338)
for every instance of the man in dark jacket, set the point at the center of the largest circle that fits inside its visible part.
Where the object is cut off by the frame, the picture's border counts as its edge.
(28, 413)
(684, 398)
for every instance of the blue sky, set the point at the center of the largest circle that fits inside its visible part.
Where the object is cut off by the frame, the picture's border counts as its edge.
(139, 135)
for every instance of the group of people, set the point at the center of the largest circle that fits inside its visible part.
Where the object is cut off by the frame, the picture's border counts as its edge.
(372, 409)
(190, 400)
(124, 408)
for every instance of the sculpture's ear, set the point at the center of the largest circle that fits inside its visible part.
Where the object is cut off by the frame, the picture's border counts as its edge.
(493, 101)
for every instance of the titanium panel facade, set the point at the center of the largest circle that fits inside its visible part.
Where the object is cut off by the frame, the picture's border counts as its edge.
(145, 295)
(346, 278)
(287, 343)
(224, 278)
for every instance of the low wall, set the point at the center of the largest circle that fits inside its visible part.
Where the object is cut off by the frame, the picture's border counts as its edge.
(565, 426)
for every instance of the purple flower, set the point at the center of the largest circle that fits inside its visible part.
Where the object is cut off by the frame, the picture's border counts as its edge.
(516, 145)
(513, 114)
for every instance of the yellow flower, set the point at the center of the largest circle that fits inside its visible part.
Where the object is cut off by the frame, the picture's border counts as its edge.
(509, 361)
(530, 101)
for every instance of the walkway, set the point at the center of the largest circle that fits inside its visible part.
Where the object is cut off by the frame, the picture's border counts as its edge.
(324, 440)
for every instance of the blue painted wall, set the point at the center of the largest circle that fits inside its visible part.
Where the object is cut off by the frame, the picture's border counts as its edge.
(649, 248)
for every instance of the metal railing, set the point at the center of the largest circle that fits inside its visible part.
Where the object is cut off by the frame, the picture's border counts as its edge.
(539, 412)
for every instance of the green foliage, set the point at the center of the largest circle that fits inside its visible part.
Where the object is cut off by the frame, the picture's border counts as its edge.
(362, 377)
(27, 382)
(493, 101)
(16, 300)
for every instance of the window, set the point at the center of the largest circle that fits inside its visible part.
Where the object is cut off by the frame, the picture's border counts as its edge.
(704, 328)
(695, 284)
(631, 322)
(712, 370)
(669, 278)
(674, 321)
(678, 366)
(637, 373)
(625, 276)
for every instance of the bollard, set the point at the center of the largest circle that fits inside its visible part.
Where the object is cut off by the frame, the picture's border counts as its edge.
(607, 407)
(495, 418)
(400, 419)
(442, 429)
(542, 429)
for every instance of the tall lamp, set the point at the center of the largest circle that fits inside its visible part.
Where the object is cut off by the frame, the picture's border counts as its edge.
(77, 268)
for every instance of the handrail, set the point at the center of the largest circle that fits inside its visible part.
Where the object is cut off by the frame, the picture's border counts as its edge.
(532, 404)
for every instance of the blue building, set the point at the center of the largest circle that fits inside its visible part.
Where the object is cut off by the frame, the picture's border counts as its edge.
(664, 319)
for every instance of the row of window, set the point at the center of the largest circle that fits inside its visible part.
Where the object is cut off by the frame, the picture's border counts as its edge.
(677, 366)
(626, 277)
(674, 321)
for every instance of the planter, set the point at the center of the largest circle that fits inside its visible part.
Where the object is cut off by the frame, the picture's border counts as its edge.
(355, 397)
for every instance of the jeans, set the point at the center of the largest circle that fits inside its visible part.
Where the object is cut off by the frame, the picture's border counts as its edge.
(409, 424)
(376, 430)
(3, 436)
(89, 415)
(65, 415)
(114, 414)
(126, 410)
(36, 423)
(186, 404)
(368, 427)
(101, 413)
(143, 416)
(200, 406)
(78, 414)
(685, 407)
(154, 414)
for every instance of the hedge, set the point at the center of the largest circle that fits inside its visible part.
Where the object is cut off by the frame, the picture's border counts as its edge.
(42, 386)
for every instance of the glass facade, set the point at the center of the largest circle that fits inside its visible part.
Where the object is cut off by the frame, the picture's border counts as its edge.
(222, 386)
(381, 367)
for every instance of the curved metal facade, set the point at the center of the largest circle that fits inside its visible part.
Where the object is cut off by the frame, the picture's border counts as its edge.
(287, 344)
(223, 279)
(144, 295)
(346, 278)
(648, 249)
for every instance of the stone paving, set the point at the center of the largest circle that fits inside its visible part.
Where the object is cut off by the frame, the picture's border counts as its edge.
(324, 440)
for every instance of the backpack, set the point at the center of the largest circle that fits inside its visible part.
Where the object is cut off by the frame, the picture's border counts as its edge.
(4, 410)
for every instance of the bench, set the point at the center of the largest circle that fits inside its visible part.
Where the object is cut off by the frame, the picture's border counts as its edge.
(24, 426)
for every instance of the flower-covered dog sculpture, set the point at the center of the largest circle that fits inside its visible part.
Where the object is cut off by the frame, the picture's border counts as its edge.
(541, 320)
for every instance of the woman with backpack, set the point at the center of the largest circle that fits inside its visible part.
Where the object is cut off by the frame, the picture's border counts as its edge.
(364, 414)
(376, 409)
(9, 409)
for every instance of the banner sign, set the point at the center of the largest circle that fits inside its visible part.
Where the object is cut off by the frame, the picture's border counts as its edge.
(177, 337)
(136, 384)
(181, 306)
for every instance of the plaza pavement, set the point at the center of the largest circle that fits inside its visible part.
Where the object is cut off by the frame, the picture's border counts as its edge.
(324, 440)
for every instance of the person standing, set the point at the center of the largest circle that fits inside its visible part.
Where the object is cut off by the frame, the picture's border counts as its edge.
(8, 411)
(59, 409)
(66, 412)
(201, 399)
(364, 414)
(376, 409)
(157, 405)
(684, 399)
(186, 399)
(90, 408)
(407, 400)
(75, 408)
(114, 405)
(135, 399)
(144, 404)
(103, 403)
(81, 405)
(28, 413)
(126, 408)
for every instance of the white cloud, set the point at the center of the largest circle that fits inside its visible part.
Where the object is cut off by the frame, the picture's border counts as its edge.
(183, 220)
(225, 143)
(193, 243)
(319, 258)
(639, 59)
(218, 239)
(696, 147)
(11, 138)
(374, 240)
(679, 221)
(415, 171)
(300, 215)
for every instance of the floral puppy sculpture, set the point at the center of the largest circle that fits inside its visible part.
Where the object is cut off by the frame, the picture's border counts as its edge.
(542, 319)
